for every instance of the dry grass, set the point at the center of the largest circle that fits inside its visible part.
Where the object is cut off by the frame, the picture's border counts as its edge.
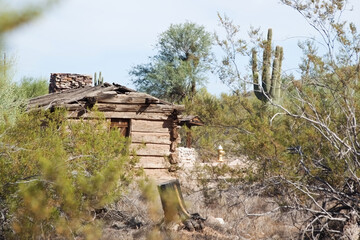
(247, 216)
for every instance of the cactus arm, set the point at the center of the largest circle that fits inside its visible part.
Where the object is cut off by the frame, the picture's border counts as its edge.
(278, 89)
(101, 79)
(257, 89)
(266, 73)
(98, 81)
(254, 69)
(275, 77)
(271, 75)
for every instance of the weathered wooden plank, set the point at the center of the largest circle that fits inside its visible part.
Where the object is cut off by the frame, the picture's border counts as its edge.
(137, 107)
(151, 126)
(130, 98)
(151, 150)
(145, 137)
(145, 95)
(72, 95)
(153, 162)
(125, 115)
(76, 106)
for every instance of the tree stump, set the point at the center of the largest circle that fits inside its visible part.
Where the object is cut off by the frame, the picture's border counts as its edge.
(174, 207)
(172, 202)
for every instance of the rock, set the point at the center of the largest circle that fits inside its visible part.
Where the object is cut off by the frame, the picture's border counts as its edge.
(134, 223)
(216, 223)
(118, 225)
(188, 225)
(220, 220)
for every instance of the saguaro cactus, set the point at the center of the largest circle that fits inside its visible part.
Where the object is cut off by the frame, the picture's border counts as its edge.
(98, 81)
(270, 81)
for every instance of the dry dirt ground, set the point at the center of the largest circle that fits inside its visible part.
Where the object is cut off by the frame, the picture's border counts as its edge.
(247, 215)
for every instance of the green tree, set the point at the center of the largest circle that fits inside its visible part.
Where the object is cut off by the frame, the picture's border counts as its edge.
(180, 65)
(30, 87)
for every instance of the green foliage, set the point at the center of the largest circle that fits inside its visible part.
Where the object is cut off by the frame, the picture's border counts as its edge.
(231, 71)
(98, 80)
(33, 87)
(271, 80)
(55, 173)
(178, 68)
(308, 143)
(11, 19)
(14, 96)
(225, 117)
(11, 103)
(12, 100)
(234, 48)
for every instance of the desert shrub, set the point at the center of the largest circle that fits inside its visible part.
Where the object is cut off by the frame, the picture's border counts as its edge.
(54, 174)
(30, 87)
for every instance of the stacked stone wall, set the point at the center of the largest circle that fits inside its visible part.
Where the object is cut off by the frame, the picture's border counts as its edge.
(186, 156)
(60, 82)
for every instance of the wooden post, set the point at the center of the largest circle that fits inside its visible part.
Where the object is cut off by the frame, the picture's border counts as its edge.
(188, 137)
(173, 202)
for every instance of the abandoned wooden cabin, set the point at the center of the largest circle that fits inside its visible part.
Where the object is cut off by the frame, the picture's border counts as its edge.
(151, 123)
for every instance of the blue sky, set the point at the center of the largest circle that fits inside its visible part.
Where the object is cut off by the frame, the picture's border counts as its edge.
(87, 36)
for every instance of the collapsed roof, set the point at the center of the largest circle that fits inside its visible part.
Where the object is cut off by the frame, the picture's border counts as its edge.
(88, 96)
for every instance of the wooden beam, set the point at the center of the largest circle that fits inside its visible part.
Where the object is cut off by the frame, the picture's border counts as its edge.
(72, 95)
(125, 115)
(103, 107)
(151, 126)
(130, 98)
(147, 137)
(151, 150)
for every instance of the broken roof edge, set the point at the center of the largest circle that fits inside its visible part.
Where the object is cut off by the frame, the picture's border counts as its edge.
(191, 120)
(85, 92)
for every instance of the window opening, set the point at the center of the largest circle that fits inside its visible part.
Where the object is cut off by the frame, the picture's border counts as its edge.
(122, 124)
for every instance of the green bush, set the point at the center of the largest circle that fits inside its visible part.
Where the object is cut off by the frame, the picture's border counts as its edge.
(30, 87)
(54, 174)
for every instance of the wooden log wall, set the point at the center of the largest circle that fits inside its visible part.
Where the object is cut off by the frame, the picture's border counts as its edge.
(153, 125)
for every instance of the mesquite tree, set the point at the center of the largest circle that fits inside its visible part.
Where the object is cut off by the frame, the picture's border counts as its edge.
(324, 102)
(307, 145)
(179, 68)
